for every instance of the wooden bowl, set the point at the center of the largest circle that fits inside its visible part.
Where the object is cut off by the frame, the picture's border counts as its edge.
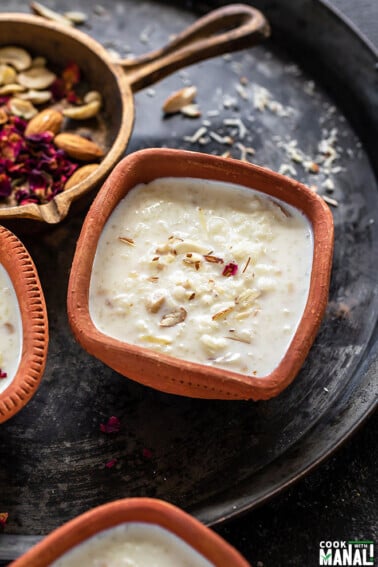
(34, 326)
(167, 373)
(117, 82)
(146, 510)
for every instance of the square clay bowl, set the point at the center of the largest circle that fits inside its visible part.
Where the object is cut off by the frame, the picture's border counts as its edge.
(24, 317)
(167, 372)
(209, 549)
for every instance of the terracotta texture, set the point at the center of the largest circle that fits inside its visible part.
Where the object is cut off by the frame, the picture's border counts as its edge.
(167, 373)
(23, 274)
(148, 510)
(117, 82)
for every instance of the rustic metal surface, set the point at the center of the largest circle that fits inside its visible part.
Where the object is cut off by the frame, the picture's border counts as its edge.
(214, 459)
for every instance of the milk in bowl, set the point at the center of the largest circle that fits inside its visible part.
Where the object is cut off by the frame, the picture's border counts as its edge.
(204, 271)
(10, 330)
(133, 544)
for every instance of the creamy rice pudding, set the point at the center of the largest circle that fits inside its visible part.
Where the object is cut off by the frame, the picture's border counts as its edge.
(204, 271)
(133, 544)
(10, 330)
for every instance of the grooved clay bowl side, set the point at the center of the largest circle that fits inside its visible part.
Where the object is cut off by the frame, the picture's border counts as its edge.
(147, 510)
(21, 269)
(167, 373)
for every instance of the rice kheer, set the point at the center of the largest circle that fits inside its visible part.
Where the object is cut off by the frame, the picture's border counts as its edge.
(10, 331)
(204, 271)
(133, 544)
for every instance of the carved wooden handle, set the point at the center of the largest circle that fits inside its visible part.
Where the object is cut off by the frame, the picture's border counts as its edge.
(226, 29)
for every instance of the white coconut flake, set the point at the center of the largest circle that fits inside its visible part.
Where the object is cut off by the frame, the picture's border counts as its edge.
(196, 136)
(238, 123)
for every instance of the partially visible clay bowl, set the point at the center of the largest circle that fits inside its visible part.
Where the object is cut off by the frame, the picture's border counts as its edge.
(147, 510)
(23, 275)
(167, 373)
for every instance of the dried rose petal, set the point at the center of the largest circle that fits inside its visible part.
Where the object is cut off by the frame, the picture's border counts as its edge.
(147, 453)
(71, 74)
(113, 425)
(110, 464)
(2, 375)
(230, 269)
(3, 518)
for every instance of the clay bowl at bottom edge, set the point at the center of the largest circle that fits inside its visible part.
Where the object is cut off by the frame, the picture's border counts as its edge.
(146, 510)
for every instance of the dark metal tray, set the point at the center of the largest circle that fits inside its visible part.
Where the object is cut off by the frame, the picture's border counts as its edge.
(214, 459)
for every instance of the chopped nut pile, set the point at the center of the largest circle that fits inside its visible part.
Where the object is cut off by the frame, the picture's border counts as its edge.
(38, 159)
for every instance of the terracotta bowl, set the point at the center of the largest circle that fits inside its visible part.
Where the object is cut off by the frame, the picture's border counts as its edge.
(23, 275)
(226, 29)
(167, 373)
(150, 511)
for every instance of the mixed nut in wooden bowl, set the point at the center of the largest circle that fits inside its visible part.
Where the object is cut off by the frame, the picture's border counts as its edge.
(67, 110)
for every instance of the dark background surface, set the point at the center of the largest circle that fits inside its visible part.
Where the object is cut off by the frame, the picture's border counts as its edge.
(339, 499)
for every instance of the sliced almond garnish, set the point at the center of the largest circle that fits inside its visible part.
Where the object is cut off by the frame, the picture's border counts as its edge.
(49, 14)
(213, 259)
(179, 99)
(191, 110)
(174, 318)
(185, 246)
(16, 56)
(154, 303)
(223, 313)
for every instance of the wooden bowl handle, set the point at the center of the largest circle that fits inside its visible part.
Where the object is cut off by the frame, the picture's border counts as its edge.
(226, 29)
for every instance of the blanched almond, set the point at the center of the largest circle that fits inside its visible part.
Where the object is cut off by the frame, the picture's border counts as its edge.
(48, 120)
(179, 99)
(80, 174)
(78, 147)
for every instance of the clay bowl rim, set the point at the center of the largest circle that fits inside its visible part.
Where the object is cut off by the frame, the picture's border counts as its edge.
(35, 335)
(57, 209)
(137, 509)
(194, 379)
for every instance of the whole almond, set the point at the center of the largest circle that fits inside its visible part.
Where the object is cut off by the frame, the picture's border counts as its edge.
(78, 147)
(80, 174)
(47, 120)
